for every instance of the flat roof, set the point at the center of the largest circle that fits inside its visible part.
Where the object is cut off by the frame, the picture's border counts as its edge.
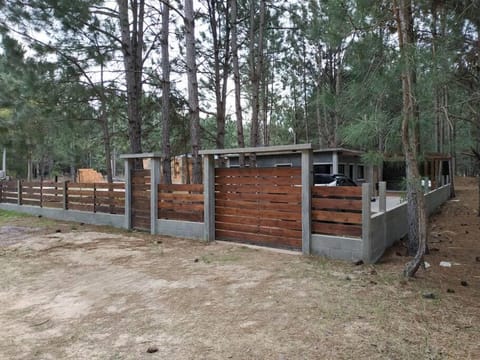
(279, 150)
(142, 156)
(259, 150)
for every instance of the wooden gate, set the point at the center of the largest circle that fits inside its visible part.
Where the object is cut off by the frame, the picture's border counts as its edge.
(140, 199)
(259, 205)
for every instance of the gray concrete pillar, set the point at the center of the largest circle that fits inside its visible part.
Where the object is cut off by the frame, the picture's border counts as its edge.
(154, 181)
(307, 182)
(4, 162)
(366, 215)
(209, 197)
(382, 196)
(334, 162)
(19, 192)
(128, 194)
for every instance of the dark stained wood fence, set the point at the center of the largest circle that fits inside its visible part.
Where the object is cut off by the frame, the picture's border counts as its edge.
(140, 217)
(180, 202)
(337, 210)
(259, 205)
(9, 192)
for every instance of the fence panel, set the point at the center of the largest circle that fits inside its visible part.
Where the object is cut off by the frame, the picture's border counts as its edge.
(9, 192)
(52, 194)
(80, 196)
(110, 198)
(259, 205)
(140, 188)
(180, 202)
(337, 210)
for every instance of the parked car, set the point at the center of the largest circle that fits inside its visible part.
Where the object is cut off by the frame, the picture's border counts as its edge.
(332, 180)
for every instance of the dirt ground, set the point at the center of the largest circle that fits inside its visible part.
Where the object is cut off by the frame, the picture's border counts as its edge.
(72, 291)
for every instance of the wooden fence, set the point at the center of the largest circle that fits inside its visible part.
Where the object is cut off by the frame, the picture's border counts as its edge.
(181, 202)
(96, 197)
(337, 210)
(259, 205)
(9, 192)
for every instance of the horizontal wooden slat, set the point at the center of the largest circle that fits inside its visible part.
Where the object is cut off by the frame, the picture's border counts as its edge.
(259, 239)
(288, 197)
(256, 229)
(181, 206)
(336, 229)
(256, 214)
(336, 204)
(31, 202)
(262, 189)
(261, 180)
(337, 216)
(181, 187)
(327, 191)
(178, 215)
(181, 197)
(56, 205)
(290, 224)
(259, 205)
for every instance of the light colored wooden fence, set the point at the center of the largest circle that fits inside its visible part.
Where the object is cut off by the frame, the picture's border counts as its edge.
(337, 210)
(180, 202)
(259, 205)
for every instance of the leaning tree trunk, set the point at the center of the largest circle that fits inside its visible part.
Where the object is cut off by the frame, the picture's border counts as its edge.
(193, 107)
(166, 162)
(415, 197)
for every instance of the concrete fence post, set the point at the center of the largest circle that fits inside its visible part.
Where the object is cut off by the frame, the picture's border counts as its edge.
(307, 183)
(382, 196)
(366, 218)
(154, 181)
(209, 197)
(19, 194)
(128, 194)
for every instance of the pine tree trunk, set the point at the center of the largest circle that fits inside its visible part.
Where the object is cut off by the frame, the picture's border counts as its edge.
(416, 202)
(166, 149)
(132, 50)
(236, 79)
(193, 105)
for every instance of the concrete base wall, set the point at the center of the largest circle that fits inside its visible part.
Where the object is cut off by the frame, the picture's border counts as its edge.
(184, 229)
(388, 227)
(336, 247)
(69, 215)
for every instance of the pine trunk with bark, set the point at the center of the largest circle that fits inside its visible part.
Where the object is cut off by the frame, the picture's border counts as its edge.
(236, 79)
(193, 104)
(415, 198)
(132, 51)
(166, 148)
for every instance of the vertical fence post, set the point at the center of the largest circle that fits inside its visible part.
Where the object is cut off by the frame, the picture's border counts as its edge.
(382, 196)
(94, 198)
(307, 182)
(41, 192)
(209, 197)
(19, 194)
(154, 181)
(366, 214)
(65, 195)
(128, 194)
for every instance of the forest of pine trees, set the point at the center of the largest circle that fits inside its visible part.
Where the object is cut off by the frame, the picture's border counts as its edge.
(81, 81)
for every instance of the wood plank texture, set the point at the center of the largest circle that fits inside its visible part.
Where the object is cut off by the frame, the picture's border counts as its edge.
(181, 202)
(259, 205)
(337, 210)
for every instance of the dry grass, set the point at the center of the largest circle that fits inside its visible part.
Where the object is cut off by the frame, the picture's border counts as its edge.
(92, 293)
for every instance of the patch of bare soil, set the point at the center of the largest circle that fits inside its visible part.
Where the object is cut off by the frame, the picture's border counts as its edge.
(81, 292)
